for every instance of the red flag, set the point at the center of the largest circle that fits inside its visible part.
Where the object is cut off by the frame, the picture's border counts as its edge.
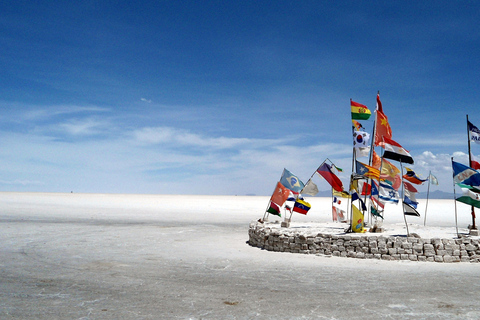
(475, 163)
(280, 195)
(379, 103)
(382, 128)
(325, 171)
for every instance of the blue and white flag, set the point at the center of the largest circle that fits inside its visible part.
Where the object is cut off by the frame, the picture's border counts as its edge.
(474, 132)
(387, 193)
(465, 175)
(291, 181)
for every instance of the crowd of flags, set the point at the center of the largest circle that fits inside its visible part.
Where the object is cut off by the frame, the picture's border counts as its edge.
(375, 179)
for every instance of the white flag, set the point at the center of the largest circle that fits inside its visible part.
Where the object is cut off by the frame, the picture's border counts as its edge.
(310, 188)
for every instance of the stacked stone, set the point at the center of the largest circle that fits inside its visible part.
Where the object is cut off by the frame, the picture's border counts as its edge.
(362, 246)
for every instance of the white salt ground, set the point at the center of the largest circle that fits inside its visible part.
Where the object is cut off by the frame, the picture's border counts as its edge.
(97, 256)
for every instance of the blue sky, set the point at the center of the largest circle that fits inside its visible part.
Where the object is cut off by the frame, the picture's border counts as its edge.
(217, 97)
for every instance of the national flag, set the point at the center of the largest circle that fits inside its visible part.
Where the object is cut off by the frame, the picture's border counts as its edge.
(341, 215)
(395, 151)
(357, 125)
(387, 193)
(280, 195)
(412, 177)
(382, 128)
(274, 209)
(301, 206)
(369, 189)
(474, 132)
(379, 103)
(338, 169)
(465, 175)
(355, 196)
(375, 212)
(376, 160)
(367, 171)
(409, 210)
(359, 111)
(391, 174)
(310, 188)
(474, 162)
(357, 220)
(470, 196)
(433, 179)
(376, 200)
(326, 171)
(291, 181)
(360, 139)
(342, 194)
(334, 214)
(408, 186)
(409, 197)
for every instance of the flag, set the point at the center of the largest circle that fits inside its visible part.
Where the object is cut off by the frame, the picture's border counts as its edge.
(357, 220)
(409, 197)
(342, 194)
(357, 125)
(377, 201)
(360, 139)
(375, 212)
(338, 169)
(379, 103)
(274, 209)
(301, 206)
(475, 162)
(474, 132)
(369, 189)
(359, 111)
(334, 214)
(433, 179)
(409, 187)
(356, 197)
(470, 196)
(387, 193)
(465, 175)
(367, 171)
(409, 210)
(412, 177)
(291, 181)
(325, 171)
(280, 195)
(382, 128)
(310, 188)
(376, 160)
(394, 151)
(391, 174)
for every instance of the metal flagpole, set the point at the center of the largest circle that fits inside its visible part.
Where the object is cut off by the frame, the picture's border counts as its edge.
(470, 164)
(426, 205)
(455, 201)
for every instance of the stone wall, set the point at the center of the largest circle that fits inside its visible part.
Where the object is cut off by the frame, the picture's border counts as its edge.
(363, 246)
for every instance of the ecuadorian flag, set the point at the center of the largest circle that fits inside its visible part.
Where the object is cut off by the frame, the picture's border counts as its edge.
(301, 206)
(359, 111)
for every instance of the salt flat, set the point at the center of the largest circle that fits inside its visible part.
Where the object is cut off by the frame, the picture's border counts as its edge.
(99, 256)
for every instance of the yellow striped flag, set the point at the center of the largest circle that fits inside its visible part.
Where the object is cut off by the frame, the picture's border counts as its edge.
(359, 111)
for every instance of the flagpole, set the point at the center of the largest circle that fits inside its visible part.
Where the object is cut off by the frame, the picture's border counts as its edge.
(426, 205)
(470, 164)
(403, 196)
(455, 201)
